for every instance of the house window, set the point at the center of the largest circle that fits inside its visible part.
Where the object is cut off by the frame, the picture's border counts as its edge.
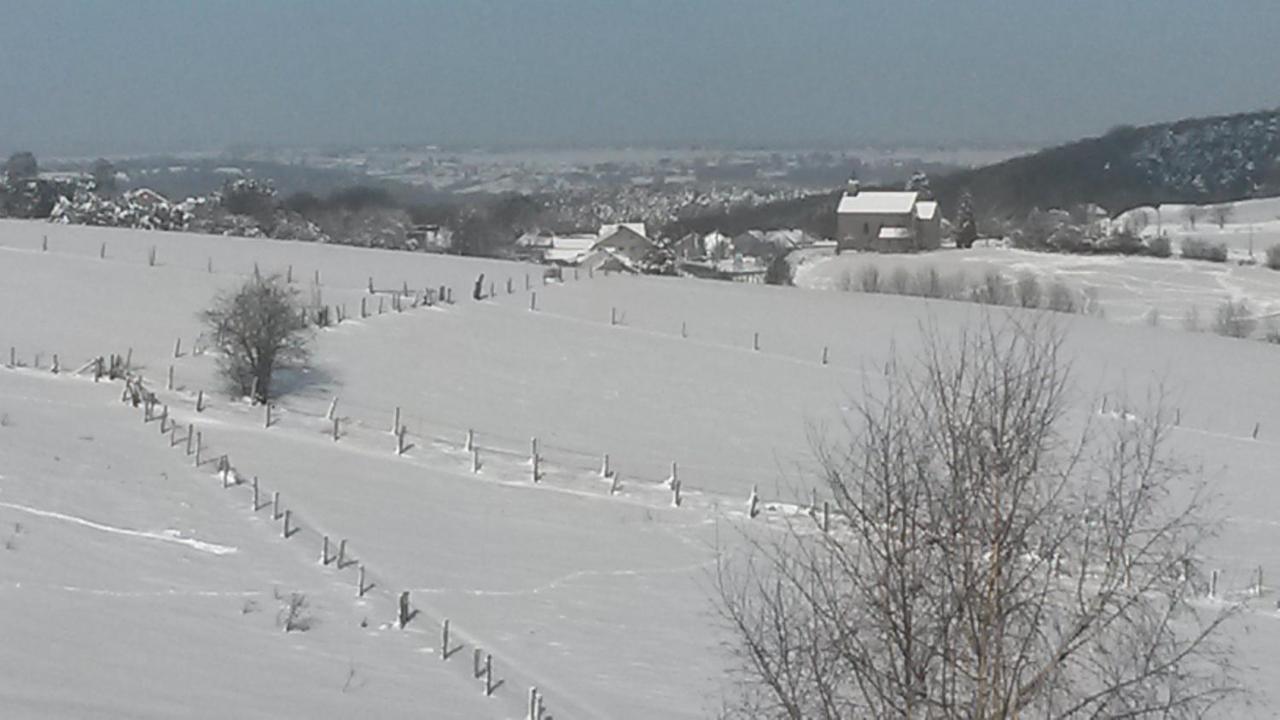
(866, 228)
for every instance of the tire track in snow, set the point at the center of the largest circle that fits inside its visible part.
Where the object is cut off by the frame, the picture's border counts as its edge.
(169, 536)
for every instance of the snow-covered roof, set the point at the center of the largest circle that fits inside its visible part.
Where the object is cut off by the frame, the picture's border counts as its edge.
(611, 228)
(926, 209)
(880, 202)
(894, 233)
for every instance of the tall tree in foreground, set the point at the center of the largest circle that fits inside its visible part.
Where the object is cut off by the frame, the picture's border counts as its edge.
(259, 328)
(986, 562)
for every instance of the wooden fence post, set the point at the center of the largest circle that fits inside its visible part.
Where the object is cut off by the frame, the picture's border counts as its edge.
(169, 382)
(533, 704)
(284, 529)
(360, 585)
(444, 639)
(476, 670)
(675, 477)
(826, 516)
(755, 342)
(533, 301)
(335, 429)
(333, 406)
(824, 354)
(288, 275)
(324, 550)
(604, 466)
(55, 368)
(199, 447)
(267, 424)
(509, 288)
(102, 251)
(395, 421)
(613, 316)
(275, 505)
(342, 553)
(527, 284)
(675, 494)
(684, 329)
(400, 441)
(488, 675)
(753, 503)
(256, 506)
(200, 401)
(44, 244)
(151, 256)
(191, 436)
(471, 440)
(1256, 426)
(1213, 584)
(177, 348)
(402, 614)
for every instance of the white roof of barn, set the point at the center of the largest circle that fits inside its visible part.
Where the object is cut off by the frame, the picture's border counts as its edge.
(636, 227)
(878, 202)
(926, 209)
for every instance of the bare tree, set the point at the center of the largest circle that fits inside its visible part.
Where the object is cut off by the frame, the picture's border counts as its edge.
(985, 564)
(1222, 214)
(259, 327)
(1191, 214)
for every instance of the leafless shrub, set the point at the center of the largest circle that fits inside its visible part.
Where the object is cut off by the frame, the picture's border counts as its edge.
(1233, 318)
(1191, 321)
(899, 281)
(994, 289)
(1273, 257)
(1027, 291)
(294, 615)
(928, 283)
(869, 279)
(845, 282)
(1191, 214)
(986, 564)
(1222, 214)
(1061, 298)
(1197, 249)
(1152, 317)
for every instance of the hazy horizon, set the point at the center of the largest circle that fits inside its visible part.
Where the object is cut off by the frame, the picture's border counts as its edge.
(135, 77)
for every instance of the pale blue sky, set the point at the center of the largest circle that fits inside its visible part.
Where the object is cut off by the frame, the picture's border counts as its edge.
(133, 75)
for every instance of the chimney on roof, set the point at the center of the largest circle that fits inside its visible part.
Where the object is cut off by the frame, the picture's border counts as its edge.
(852, 187)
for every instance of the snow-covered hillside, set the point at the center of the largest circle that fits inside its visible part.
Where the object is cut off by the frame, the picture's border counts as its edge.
(599, 598)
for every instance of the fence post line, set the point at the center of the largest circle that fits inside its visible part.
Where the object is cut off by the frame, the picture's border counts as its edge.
(444, 639)
(342, 553)
(199, 447)
(275, 505)
(488, 675)
(471, 439)
(604, 466)
(613, 316)
(191, 434)
(268, 414)
(226, 471)
(364, 311)
(56, 368)
(13, 356)
(1213, 584)
(360, 582)
(169, 382)
(395, 421)
(753, 503)
(1177, 417)
(102, 251)
(509, 288)
(527, 285)
(256, 506)
(675, 494)
(324, 550)
(177, 348)
(755, 342)
(164, 418)
(533, 301)
(475, 460)
(1256, 426)
(400, 441)
(333, 406)
(824, 354)
(826, 516)
(675, 477)
(533, 704)
(284, 529)
(335, 429)
(684, 329)
(475, 662)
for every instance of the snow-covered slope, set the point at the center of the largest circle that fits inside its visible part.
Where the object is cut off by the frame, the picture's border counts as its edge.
(599, 599)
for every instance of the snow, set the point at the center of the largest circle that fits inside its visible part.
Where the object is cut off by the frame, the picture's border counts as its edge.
(879, 202)
(601, 600)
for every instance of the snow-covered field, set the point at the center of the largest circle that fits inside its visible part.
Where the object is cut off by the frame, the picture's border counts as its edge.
(600, 600)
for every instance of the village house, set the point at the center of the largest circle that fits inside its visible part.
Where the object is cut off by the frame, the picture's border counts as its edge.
(886, 221)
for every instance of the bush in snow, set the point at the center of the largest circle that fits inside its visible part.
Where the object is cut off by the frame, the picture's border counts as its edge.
(1197, 249)
(1234, 319)
(1273, 257)
(1159, 246)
